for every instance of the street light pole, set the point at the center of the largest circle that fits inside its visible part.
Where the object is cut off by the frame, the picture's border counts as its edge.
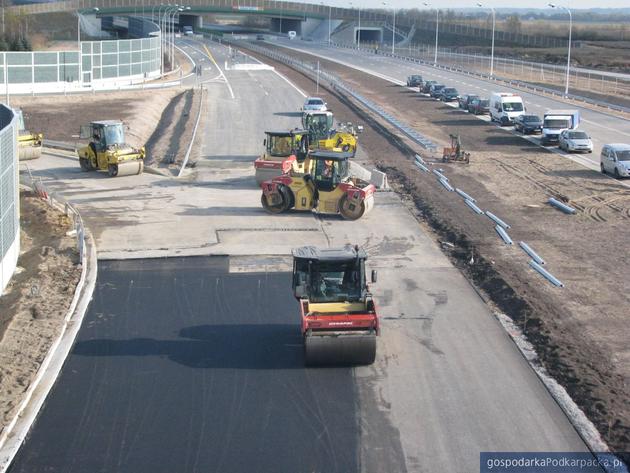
(329, 22)
(492, 50)
(437, 29)
(566, 86)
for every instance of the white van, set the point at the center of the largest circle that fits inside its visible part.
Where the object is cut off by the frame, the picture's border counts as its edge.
(292, 34)
(505, 107)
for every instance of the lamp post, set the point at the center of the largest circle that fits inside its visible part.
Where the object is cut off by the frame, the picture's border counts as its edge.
(437, 29)
(393, 28)
(159, 21)
(492, 50)
(566, 86)
(329, 23)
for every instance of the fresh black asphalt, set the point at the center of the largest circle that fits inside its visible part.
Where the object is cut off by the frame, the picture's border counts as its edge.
(181, 366)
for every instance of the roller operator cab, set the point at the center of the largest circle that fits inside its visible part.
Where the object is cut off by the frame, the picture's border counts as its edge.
(107, 150)
(339, 316)
(326, 187)
(505, 107)
(284, 150)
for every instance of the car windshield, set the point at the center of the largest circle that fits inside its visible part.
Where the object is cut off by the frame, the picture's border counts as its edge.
(578, 135)
(450, 90)
(470, 98)
(438, 87)
(416, 77)
(114, 135)
(552, 123)
(530, 118)
(315, 102)
(336, 281)
(513, 106)
(623, 155)
(484, 103)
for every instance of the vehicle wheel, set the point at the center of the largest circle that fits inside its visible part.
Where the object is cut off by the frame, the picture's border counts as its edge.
(601, 166)
(350, 210)
(112, 170)
(285, 201)
(617, 176)
(85, 164)
(288, 197)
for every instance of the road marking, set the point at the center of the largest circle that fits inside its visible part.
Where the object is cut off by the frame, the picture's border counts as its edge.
(220, 71)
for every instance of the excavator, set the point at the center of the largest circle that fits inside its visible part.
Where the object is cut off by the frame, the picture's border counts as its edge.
(324, 185)
(29, 143)
(107, 150)
(284, 150)
(320, 126)
(339, 316)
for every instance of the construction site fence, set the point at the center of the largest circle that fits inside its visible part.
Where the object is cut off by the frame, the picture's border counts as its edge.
(9, 196)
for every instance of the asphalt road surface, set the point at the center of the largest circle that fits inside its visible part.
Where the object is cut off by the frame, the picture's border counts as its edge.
(182, 367)
(195, 364)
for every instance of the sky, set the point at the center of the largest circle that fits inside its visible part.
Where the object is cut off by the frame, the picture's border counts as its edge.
(585, 4)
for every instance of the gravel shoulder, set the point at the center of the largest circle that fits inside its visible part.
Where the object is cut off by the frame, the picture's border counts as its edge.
(579, 331)
(36, 300)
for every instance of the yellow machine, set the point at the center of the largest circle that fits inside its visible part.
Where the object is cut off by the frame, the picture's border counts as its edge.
(326, 188)
(29, 144)
(323, 136)
(107, 150)
(284, 151)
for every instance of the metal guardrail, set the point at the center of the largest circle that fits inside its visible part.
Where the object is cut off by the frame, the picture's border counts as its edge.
(57, 201)
(337, 84)
(511, 82)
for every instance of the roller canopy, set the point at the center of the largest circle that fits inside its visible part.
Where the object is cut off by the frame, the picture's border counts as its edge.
(344, 253)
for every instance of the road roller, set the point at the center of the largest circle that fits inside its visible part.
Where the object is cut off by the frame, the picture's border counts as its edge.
(29, 143)
(324, 136)
(339, 316)
(284, 151)
(325, 186)
(107, 150)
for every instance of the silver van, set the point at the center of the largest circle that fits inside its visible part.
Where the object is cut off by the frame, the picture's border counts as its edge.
(615, 159)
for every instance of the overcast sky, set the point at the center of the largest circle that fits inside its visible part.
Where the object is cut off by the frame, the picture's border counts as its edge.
(472, 3)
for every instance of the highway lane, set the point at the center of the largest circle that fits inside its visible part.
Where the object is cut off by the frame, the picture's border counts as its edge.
(181, 367)
(195, 364)
(602, 127)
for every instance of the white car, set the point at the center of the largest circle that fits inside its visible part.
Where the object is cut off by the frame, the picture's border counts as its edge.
(573, 140)
(314, 104)
(615, 159)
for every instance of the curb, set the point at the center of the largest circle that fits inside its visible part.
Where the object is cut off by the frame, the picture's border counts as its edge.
(16, 431)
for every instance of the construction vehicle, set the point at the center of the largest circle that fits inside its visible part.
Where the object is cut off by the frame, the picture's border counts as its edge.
(325, 186)
(339, 316)
(455, 151)
(107, 150)
(283, 150)
(29, 144)
(323, 135)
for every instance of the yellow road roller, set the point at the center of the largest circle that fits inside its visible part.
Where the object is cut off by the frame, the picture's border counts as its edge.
(29, 143)
(107, 150)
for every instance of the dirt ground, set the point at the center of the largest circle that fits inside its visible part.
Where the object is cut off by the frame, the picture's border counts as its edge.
(161, 119)
(580, 331)
(36, 300)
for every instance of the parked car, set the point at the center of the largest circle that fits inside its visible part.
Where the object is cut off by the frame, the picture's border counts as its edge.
(574, 140)
(426, 87)
(528, 124)
(260, 37)
(314, 104)
(465, 100)
(479, 106)
(448, 94)
(436, 90)
(615, 159)
(414, 80)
